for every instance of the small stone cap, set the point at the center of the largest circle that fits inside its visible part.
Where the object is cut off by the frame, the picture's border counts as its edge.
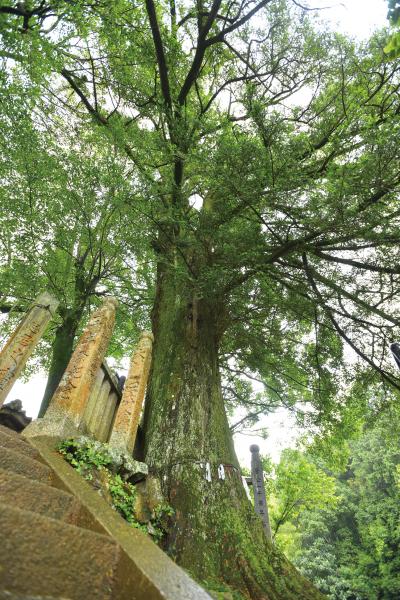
(46, 300)
(147, 334)
(111, 300)
(14, 405)
(254, 448)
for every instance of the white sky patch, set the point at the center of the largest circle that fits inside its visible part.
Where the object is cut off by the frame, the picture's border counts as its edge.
(30, 393)
(356, 18)
(196, 201)
(282, 433)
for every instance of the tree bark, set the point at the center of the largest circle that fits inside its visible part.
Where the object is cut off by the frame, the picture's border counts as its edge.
(62, 347)
(215, 533)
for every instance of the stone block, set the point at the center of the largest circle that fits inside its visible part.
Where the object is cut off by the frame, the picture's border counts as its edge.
(20, 492)
(23, 465)
(42, 556)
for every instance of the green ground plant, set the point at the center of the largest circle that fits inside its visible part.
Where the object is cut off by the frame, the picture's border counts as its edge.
(94, 463)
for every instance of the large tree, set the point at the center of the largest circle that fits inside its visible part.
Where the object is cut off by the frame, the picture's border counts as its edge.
(267, 162)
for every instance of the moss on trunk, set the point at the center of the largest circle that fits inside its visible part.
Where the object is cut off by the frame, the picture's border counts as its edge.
(61, 353)
(216, 535)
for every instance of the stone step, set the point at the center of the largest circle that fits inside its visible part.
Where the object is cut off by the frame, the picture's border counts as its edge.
(23, 465)
(6, 595)
(20, 492)
(18, 445)
(40, 556)
(12, 433)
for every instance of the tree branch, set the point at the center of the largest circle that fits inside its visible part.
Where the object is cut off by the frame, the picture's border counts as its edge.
(160, 54)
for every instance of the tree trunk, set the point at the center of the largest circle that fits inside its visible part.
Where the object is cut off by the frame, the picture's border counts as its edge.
(61, 353)
(215, 533)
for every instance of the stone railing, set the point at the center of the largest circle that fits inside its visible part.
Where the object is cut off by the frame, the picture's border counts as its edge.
(23, 340)
(89, 399)
(102, 404)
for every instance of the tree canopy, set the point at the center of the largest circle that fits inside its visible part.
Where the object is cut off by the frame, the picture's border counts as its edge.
(349, 548)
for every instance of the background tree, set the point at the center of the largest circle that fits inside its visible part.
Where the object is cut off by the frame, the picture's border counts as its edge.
(350, 550)
(298, 487)
(392, 48)
(65, 229)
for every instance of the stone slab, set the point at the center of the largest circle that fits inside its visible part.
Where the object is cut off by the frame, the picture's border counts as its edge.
(23, 340)
(42, 556)
(18, 445)
(112, 377)
(57, 426)
(20, 492)
(127, 417)
(23, 465)
(11, 433)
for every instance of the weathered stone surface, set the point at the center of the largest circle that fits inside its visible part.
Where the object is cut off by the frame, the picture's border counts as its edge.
(260, 501)
(23, 465)
(108, 415)
(127, 418)
(65, 415)
(122, 463)
(6, 595)
(22, 342)
(14, 434)
(13, 416)
(20, 492)
(17, 444)
(92, 401)
(96, 421)
(51, 557)
(148, 497)
(143, 572)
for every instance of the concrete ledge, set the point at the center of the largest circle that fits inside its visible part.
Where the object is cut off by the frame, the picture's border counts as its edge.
(59, 427)
(144, 572)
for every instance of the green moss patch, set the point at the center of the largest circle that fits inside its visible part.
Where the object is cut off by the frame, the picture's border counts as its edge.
(94, 462)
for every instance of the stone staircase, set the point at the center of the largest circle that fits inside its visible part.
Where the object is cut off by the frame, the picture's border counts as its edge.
(59, 539)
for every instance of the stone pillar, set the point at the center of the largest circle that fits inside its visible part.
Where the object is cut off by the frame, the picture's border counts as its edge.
(22, 342)
(65, 415)
(127, 418)
(260, 500)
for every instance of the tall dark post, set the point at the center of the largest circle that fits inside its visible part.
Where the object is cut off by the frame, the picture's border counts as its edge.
(395, 348)
(260, 501)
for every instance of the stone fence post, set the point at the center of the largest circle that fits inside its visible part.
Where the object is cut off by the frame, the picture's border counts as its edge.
(260, 500)
(64, 417)
(22, 342)
(127, 419)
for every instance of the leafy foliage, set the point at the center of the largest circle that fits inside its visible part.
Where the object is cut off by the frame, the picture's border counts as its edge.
(297, 234)
(89, 460)
(235, 153)
(298, 487)
(392, 48)
(350, 548)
